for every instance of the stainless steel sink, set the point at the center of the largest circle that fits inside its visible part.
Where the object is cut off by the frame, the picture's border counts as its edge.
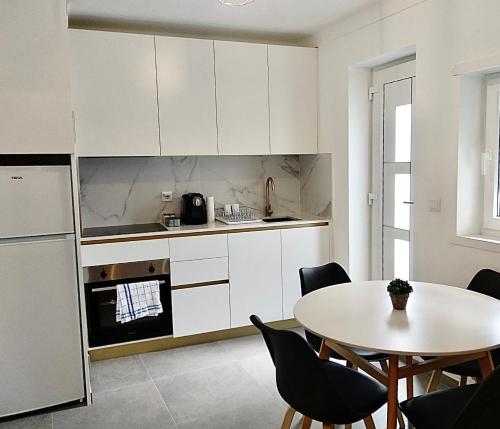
(280, 219)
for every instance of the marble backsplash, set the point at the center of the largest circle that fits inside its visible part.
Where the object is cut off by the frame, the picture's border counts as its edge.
(119, 191)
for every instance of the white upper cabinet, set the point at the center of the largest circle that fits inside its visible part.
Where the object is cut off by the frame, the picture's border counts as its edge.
(293, 99)
(35, 106)
(186, 96)
(114, 93)
(242, 98)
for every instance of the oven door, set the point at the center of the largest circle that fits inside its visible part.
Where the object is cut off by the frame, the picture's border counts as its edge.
(101, 315)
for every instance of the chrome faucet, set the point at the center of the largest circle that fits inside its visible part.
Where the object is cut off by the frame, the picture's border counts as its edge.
(268, 211)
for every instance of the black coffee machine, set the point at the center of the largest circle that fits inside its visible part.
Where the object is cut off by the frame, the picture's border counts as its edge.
(194, 209)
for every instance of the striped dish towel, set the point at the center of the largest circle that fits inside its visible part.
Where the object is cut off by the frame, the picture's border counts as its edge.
(136, 300)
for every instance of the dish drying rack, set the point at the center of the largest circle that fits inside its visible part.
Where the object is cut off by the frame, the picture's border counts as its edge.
(242, 216)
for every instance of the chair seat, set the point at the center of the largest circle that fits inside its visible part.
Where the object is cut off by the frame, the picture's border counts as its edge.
(360, 396)
(438, 410)
(471, 368)
(371, 356)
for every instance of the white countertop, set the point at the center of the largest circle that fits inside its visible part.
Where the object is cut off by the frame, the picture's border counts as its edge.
(211, 228)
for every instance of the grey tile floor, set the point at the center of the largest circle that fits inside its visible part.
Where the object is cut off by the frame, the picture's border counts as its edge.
(222, 385)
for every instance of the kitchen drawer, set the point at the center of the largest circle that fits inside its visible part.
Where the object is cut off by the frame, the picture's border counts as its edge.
(127, 251)
(189, 248)
(200, 309)
(200, 271)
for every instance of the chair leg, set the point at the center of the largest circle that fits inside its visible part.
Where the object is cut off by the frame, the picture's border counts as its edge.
(463, 380)
(369, 423)
(434, 381)
(385, 368)
(306, 423)
(328, 426)
(348, 426)
(287, 420)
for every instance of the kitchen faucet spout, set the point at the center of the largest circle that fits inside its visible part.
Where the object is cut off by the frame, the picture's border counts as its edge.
(268, 211)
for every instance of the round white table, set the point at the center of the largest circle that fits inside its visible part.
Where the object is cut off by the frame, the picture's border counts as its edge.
(453, 325)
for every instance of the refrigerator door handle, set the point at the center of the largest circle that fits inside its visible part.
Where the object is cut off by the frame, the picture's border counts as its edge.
(37, 238)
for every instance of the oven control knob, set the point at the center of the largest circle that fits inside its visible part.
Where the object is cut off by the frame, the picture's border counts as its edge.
(103, 274)
(152, 269)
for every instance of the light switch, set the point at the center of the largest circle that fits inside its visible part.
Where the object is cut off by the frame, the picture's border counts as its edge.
(435, 206)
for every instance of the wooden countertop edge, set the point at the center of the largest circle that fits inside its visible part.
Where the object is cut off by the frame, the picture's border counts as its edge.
(194, 233)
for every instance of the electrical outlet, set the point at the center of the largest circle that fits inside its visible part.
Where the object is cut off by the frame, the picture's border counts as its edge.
(166, 196)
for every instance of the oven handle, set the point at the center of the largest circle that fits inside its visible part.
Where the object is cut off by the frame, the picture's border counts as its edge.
(102, 289)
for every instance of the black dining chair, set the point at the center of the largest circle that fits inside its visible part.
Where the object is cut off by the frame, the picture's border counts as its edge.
(318, 389)
(330, 274)
(475, 406)
(486, 282)
(315, 278)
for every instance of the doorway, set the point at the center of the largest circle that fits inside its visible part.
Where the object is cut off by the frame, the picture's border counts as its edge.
(392, 196)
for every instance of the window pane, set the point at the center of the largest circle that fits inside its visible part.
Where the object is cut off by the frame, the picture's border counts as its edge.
(402, 259)
(403, 133)
(498, 140)
(402, 192)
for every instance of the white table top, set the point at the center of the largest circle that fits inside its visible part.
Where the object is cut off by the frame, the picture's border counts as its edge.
(439, 320)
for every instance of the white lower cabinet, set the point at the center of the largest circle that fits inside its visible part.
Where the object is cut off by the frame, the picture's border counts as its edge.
(301, 247)
(255, 276)
(200, 309)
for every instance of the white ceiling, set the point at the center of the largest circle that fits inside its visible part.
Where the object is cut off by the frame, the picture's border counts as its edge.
(291, 19)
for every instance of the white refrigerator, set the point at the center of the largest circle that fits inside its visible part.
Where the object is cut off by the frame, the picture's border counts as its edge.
(41, 361)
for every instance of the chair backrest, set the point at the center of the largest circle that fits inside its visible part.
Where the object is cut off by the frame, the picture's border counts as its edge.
(483, 410)
(301, 376)
(486, 282)
(315, 278)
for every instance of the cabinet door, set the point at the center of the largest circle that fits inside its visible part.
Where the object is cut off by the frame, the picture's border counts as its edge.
(242, 98)
(301, 247)
(186, 96)
(35, 103)
(293, 99)
(113, 78)
(255, 276)
(200, 309)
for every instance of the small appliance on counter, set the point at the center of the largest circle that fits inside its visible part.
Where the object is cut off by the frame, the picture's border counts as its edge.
(194, 209)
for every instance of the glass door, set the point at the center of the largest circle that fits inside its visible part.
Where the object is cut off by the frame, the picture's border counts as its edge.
(396, 175)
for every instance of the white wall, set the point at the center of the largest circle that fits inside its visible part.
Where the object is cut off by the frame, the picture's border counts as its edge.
(444, 32)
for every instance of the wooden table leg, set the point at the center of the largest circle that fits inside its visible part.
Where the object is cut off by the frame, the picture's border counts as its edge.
(306, 423)
(324, 352)
(486, 365)
(409, 379)
(392, 399)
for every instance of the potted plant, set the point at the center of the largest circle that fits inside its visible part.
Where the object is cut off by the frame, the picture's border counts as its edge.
(400, 291)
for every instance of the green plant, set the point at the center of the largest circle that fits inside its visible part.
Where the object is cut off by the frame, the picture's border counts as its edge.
(399, 287)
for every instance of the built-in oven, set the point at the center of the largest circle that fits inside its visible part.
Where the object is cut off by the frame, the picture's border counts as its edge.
(100, 296)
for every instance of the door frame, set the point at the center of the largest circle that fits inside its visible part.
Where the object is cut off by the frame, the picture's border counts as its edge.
(404, 69)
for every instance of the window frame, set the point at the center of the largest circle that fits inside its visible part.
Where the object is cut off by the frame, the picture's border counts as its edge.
(491, 218)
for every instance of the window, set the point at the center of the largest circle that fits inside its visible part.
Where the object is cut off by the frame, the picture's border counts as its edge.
(490, 158)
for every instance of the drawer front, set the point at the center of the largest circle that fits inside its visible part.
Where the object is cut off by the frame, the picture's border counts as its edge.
(203, 270)
(200, 309)
(190, 248)
(129, 251)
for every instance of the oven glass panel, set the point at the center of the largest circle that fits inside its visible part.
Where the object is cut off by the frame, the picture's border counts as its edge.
(101, 316)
